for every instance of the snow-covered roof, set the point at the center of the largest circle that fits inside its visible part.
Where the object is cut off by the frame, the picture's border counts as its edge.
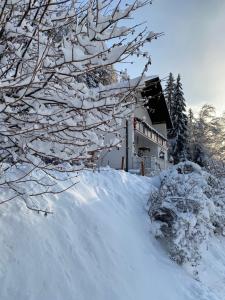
(123, 86)
(157, 107)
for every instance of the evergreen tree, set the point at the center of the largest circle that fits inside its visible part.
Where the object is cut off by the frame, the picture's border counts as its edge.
(190, 135)
(179, 119)
(190, 117)
(169, 91)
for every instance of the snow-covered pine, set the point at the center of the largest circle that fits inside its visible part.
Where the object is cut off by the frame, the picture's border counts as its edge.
(190, 134)
(178, 135)
(51, 117)
(169, 92)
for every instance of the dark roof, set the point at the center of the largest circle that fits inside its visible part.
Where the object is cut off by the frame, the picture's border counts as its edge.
(156, 105)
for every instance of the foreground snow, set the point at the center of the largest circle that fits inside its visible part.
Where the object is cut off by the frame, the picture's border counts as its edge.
(96, 246)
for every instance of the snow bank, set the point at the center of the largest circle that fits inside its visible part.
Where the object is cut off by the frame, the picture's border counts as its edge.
(96, 246)
(211, 270)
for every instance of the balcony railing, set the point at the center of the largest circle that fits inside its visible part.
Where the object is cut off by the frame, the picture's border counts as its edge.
(152, 165)
(149, 132)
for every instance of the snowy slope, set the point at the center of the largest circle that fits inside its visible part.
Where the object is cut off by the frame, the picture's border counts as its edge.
(211, 270)
(96, 246)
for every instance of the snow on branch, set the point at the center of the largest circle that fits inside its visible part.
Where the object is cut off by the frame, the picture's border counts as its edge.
(56, 58)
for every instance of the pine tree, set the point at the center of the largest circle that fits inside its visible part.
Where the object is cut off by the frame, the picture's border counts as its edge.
(179, 118)
(190, 135)
(169, 91)
(190, 117)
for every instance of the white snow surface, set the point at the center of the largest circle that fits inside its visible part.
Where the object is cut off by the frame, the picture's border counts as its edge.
(97, 245)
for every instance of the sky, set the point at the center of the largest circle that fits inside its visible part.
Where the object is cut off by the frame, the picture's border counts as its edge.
(193, 45)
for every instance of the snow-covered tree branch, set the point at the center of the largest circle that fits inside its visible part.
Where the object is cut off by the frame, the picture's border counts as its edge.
(54, 113)
(207, 132)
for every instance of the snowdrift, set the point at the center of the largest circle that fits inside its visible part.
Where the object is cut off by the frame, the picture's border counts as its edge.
(95, 246)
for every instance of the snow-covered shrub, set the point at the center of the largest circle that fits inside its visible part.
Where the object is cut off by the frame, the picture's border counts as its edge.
(187, 209)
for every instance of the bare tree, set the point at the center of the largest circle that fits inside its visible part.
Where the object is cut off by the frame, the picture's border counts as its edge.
(207, 139)
(51, 120)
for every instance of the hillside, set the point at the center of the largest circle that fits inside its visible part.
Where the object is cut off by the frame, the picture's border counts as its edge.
(97, 245)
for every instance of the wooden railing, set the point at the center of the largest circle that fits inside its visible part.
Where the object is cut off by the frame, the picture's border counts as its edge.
(149, 132)
(152, 165)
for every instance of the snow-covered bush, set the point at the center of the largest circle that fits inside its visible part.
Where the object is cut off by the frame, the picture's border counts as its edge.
(186, 210)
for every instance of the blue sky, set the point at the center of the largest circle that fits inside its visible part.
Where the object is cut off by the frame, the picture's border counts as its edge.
(193, 45)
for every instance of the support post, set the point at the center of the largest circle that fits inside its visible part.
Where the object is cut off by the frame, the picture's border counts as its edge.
(127, 147)
(142, 168)
(122, 163)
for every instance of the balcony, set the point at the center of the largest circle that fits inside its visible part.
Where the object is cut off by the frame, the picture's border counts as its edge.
(149, 132)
